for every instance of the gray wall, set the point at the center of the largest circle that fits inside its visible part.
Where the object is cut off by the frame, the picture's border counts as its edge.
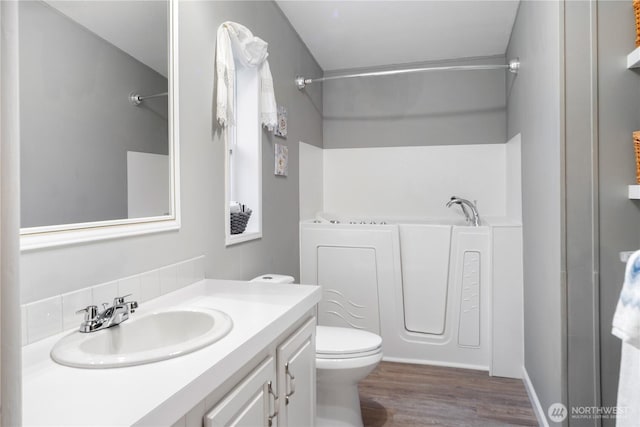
(602, 105)
(76, 121)
(534, 110)
(278, 250)
(53, 271)
(581, 142)
(417, 109)
(618, 117)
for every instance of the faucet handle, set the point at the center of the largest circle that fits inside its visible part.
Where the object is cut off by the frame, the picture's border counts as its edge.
(120, 300)
(90, 312)
(132, 306)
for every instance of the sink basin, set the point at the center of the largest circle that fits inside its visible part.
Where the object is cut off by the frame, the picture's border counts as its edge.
(157, 336)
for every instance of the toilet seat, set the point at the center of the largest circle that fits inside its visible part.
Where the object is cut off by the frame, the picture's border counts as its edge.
(345, 343)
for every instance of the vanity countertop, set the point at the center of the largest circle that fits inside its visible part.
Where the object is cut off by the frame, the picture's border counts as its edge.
(156, 393)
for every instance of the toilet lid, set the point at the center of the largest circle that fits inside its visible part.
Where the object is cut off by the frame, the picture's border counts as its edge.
(331, 340)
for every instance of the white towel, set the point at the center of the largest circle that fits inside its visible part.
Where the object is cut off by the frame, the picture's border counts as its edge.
(626, 320)
(626, 326)
(226, 77)
(268, 108)
(234, 207)
(235, 41)
(629, 388)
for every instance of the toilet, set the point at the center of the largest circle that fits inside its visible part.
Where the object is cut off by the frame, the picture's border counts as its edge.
(344, 357)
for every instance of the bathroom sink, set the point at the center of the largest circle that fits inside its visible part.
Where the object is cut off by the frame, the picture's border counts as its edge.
(150, 338)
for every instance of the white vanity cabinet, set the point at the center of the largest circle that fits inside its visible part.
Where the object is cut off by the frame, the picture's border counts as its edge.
(279, 391)
(253, 402)
(296, 359)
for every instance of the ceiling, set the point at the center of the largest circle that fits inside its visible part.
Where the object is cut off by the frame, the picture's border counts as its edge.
(355, 34)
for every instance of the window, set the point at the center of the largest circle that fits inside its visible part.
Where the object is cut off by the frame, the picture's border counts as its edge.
(244, 157)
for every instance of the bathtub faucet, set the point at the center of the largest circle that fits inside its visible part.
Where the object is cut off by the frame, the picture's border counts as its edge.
(473, 217)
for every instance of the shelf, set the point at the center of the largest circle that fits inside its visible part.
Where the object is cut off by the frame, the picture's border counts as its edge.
(232, 239)
(633, 59)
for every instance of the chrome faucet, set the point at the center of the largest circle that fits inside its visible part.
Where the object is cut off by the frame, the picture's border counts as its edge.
(111, 316)
(471, 218)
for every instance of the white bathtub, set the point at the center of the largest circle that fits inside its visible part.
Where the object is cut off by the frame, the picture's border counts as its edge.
(424, 285)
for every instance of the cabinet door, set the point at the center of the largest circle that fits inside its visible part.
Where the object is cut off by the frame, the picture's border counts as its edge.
(251, 403)
(297, 378)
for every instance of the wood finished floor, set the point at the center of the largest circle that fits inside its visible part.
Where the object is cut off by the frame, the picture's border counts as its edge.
(403, 395)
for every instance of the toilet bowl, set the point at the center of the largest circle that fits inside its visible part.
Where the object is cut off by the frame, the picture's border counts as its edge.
(344, 357)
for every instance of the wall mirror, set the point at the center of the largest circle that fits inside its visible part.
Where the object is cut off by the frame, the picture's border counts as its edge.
(98, 120)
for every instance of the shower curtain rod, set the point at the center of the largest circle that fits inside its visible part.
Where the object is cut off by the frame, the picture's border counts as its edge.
(513, 66)
(136, 99)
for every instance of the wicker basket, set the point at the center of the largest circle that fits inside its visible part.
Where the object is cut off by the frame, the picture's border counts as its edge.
(636, 11)
(636, 146)
(239, 221)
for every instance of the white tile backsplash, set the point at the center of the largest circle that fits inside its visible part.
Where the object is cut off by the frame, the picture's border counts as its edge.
(198, 268)
(41, 319)
(104, 293)
(129, 286)
(44, 318)
(149, 285)
(185, 274)
(168, 279)
(71, 303)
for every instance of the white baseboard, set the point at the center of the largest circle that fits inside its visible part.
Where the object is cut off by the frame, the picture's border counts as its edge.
(434, 362)
(533, 397)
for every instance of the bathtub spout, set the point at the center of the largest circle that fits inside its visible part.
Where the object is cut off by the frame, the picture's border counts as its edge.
(472, 217)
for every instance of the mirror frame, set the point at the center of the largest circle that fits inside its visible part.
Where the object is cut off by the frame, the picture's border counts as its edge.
(67, 234)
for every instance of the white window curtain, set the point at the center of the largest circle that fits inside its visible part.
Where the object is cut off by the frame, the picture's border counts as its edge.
(235, 41)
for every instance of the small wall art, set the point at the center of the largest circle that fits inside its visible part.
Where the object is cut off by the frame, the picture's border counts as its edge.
(282, 160)
(281, 129)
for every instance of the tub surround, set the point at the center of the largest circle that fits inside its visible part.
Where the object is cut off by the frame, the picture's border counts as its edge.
(401, 181)
(161, 393)
(412, 181)
(310, 180)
